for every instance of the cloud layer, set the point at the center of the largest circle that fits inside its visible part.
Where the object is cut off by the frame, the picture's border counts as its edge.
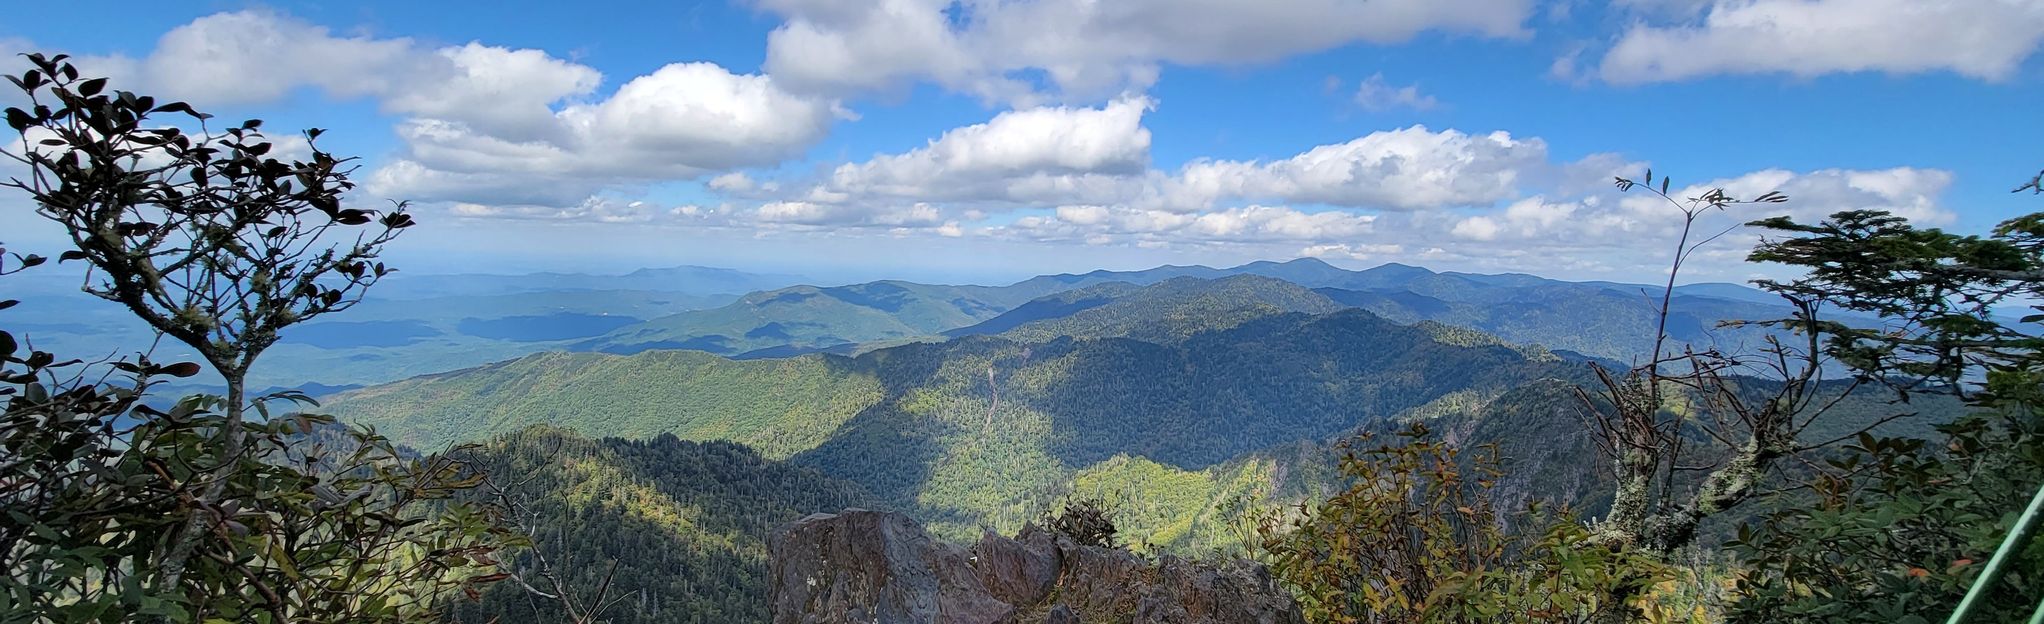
(1064, 155)
(1985, 39)
(1022, 52)
(485, 124)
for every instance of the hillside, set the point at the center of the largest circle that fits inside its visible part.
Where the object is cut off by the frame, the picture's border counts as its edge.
(779, 406)
(1601, 319)
(920, 426)
(1169, 310)
(807, 318)
(685, 523)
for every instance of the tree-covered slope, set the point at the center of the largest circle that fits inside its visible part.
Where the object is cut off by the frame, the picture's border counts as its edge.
(985, 429)
(778, 406)
(685, 523)
(1598, 321)
(963, 457)
(1169, 310)
(1601, 319)
(808, 317)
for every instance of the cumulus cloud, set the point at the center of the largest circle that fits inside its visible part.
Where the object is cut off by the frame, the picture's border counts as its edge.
(1082, 47)
(1526, 218)
(1081, 174)
(1608, 231)
(1908, 192)
(1253, 223)
(487, 125)
(1353, 252)
(683, 121)
(1016, 154)
(1407, 169)
(1094, 163)
(597, 209)
(1985, 39)
(1377, 95)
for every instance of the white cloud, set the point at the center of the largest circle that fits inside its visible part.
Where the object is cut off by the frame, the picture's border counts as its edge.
(249, 56)
(1986, 39)
(1377, 95)
(1254, 223)
(1908, 192)
(1095, 159)
(805, 213)
(1609, 231)
(1477, 228)
(500, 91)
(487, 125)
(597, 209)
(1353, 252)
(1408, 169)
(734, 182)
(681, 121)
(1010, 154)
(1085, 48)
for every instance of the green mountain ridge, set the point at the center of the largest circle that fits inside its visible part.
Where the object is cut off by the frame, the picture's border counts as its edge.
(1186, 374)
(809, 317)
(778, 406)
(1172, 309)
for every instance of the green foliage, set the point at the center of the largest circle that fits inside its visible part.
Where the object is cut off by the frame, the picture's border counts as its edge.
(1177, 510)
(1086, 520)
(205, 237)
(1897, 530)
(99, 486)
(1175, 309)
(919, 424)
(1415, 538)
(118, 511)
(1901, 530)
(809, 317)
(684, 524)
(781, 407)
(1935, 290)
(1168, 432)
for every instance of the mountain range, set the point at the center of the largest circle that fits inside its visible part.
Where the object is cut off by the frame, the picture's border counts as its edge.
(985, 423)
(1183, 396)
(1601, 319)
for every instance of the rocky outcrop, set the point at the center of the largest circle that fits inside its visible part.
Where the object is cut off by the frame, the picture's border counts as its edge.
(882, 568)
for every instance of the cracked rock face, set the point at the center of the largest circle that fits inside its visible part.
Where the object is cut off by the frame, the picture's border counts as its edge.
(882, 568)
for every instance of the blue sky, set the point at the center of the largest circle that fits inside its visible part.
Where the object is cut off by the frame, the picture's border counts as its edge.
(983, 141)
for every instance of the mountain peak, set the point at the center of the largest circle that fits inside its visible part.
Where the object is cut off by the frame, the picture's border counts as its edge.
(1396, 268)
(1308, 261)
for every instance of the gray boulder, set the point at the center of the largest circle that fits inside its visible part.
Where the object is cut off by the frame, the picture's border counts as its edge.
(864, 566)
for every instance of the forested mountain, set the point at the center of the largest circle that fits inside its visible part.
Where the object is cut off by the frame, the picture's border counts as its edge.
(989, 429)
(1165, 311)
(779, 406)
(685, 524)
(1602, 319)
(812, 318)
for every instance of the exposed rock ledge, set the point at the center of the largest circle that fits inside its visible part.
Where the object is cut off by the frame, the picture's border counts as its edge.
(882, 568)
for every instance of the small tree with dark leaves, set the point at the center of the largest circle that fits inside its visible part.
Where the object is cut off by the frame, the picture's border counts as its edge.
(1894, 530)
(119, 511)
(206, 236)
